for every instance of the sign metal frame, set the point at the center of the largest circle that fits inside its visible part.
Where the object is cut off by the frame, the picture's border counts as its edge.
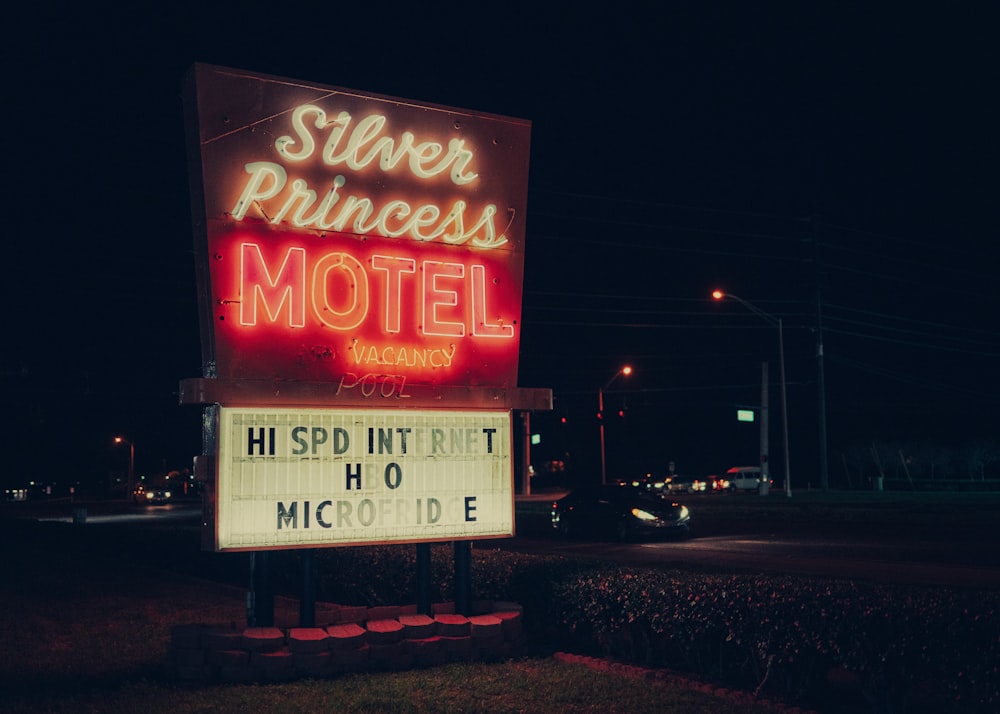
(296, 315)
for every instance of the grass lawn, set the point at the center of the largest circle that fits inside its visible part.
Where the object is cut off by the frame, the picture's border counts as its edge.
(86, 624)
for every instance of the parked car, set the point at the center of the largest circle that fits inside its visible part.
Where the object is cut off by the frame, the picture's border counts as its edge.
(648, 482)
(718, 484)
(622, 512)
(686, 484)
(155, 496)
(744, 478)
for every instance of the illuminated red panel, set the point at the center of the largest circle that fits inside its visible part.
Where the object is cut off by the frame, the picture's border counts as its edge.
(321, 309)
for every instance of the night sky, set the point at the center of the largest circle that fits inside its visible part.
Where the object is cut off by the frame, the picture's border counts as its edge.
(830, 166)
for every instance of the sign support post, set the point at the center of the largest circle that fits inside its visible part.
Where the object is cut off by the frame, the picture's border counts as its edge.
(307, 602)
(463, 577)
(424, 578)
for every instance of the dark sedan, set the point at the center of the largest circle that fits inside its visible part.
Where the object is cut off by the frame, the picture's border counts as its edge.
(148, 495)
(621, 512)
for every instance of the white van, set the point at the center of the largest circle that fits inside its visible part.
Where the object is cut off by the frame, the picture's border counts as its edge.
(744, 478)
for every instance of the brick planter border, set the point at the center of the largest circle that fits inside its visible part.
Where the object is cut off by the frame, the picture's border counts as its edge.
(346, 639)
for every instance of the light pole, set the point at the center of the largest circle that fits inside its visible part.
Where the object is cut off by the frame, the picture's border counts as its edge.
(624, 371)
(775, 322)
(131, 464)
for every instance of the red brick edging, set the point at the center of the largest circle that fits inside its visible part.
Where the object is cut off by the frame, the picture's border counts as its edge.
(346, 639)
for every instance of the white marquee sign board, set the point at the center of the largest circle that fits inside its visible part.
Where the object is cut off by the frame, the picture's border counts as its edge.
(291, 478)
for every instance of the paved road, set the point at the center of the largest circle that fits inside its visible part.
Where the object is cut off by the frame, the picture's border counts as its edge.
(137, 514)
(914, 552)
(890, 554)
(877, 558)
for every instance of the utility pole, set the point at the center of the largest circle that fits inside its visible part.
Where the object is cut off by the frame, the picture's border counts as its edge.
(776, 322)
(765, 467)
(623, 371)
(526, 454)
(824, 476)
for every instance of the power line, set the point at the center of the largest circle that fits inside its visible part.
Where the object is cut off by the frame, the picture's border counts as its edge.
(928, 323)
(910, 343)
(910, 379)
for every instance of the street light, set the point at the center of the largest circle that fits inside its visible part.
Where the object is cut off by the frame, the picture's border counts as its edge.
(623, 372)
(775, 322)
(131, 464)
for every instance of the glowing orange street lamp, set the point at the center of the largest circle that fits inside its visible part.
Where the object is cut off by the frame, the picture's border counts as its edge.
(623, 372)
(776, 322)
(131, 464)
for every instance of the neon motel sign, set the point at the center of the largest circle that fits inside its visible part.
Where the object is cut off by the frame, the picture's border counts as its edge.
(360, 265)
(350, 235)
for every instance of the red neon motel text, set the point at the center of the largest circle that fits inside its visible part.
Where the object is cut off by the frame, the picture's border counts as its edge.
(337, 289)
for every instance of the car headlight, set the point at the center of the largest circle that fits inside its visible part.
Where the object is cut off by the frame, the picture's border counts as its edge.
(149, 496)
(643, 515)
(684, 512)
(167, 494)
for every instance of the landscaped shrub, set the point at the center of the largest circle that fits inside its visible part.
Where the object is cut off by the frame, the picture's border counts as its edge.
(380, 574)
(902, 648)
(532, 581)
(908, 648)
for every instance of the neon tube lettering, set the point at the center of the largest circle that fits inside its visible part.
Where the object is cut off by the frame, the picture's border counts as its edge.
(394, 268)
(421, 156)
(285, 291)
(358, 214)
(481, 328)
(338, 289)
(260, 173)
(434, 297)
(356, 289)
(308, 145)
(365, 354)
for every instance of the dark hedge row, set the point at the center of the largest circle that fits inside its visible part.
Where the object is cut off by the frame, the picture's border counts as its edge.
(892, 648)
(901, 648)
